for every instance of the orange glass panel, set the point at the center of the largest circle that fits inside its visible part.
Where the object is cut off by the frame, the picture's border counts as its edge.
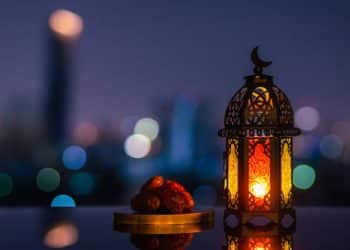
(260, 243)
(259, 177)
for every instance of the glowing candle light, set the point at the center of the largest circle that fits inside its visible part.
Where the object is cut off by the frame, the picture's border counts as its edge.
(259, 189)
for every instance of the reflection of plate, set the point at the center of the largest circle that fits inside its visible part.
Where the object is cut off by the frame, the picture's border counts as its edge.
(162, 229)
(127, 221)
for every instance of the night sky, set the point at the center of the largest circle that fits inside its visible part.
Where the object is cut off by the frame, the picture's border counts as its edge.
(134, 51)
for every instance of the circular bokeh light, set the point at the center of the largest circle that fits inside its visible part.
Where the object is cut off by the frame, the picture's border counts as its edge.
(137, 146)
(82, 183)
(205, 195)
(66, 23)
(63, 200)
(86, 133)
(48, 179)
(331, 146)
(6, 185)
(74, 157)
(341, 129)
(305, 145)
(147, 127)
(307, 118)
(304, 176)
(61, 235)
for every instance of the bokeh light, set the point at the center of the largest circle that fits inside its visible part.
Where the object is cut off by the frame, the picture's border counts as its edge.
(86, 133)
(147, 127)
(66, 24)
(61, 235)
(307, 118)
(305, 145)
(205, 195)
(74, 157)
(331, 146)
(304, 176)
(342, 130)
(48, 179)
(137, 146)
(82, 183)
(63, 200)
(6, 185)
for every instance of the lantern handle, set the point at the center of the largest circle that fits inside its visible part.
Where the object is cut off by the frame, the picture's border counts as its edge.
(258, 62)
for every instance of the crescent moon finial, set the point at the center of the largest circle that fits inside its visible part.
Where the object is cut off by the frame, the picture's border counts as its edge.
(258, 62)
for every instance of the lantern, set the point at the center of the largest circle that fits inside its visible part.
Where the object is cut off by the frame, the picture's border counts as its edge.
(244, 238)
(258, 159)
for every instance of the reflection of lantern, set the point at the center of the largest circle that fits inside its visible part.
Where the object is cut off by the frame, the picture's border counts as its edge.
(247, 239)
(258, 158)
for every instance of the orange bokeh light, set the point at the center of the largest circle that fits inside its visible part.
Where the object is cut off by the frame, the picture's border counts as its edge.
(61, 235)
(66, 24)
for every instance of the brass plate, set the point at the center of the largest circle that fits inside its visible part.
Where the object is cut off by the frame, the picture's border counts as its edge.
(163, 223)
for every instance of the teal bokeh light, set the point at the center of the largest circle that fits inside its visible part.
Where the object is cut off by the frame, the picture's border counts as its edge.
(48, 179)
(304, 176)
(82, 183)
(63, 200)
(6, 185)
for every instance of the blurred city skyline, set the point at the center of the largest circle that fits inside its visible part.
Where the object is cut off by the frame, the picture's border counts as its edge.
(144, 92)
(130, 53)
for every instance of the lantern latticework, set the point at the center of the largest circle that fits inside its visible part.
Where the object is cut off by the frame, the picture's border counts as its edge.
(258, 129)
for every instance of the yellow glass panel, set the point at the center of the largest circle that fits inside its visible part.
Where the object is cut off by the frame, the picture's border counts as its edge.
(231, 243)
(286, 170)
(262, 95)
(232, 171)
(286, 245)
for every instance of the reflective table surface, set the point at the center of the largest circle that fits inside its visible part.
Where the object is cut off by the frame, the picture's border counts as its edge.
(317, 228)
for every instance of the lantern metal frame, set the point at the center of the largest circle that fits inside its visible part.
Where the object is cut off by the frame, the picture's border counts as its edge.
(258, 111)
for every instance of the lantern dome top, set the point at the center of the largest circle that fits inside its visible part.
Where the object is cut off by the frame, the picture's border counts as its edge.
(259, 107)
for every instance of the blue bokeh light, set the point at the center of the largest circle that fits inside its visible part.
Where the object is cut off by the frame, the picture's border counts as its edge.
(82, 183)
(331, 146)
(74, 157)
(63, 200)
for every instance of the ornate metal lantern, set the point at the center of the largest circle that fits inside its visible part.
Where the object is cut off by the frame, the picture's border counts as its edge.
(258, 160)
(245, 238)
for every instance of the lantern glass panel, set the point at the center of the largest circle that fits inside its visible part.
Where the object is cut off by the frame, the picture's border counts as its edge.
(232, 173)
(260, 243)
(259, 174)
(231, 242)
(286, 170)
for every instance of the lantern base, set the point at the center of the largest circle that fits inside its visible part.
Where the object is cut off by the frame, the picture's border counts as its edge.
(285, 218)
